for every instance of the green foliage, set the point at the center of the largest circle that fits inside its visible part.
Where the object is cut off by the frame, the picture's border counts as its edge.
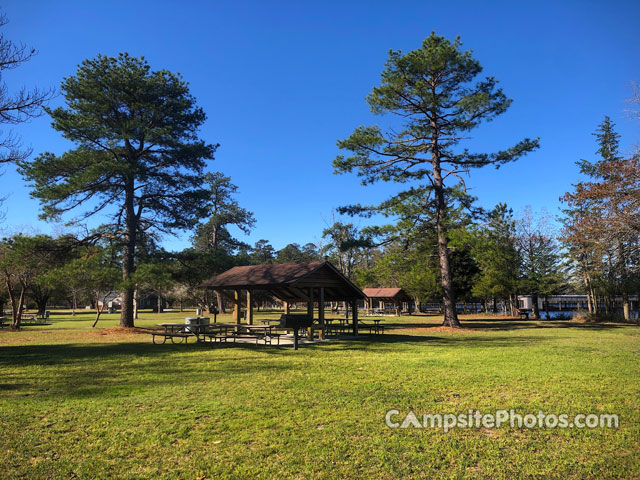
(93, 272)
(432, 90)
(137, 157)
(25, 263)
(294, 253)
(542, 270)
(497, 256)
(222, 211)
(600, 230)
(434, 93)
(135, 130)
(262, 253)
(347, 249)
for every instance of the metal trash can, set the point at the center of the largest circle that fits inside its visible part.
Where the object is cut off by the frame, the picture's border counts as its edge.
(195, 321)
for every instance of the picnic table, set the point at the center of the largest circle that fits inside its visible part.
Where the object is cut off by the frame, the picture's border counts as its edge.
(377, 328)
(31, 319)
(172, 331)
(336, 325)
(260, 332)
(212, 332)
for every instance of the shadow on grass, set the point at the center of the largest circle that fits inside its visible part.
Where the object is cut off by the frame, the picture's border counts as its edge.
(365, 342)
(510, 324)
(73, 370)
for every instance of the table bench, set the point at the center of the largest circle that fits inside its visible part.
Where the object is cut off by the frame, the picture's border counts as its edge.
(259, 332)
(172, 331)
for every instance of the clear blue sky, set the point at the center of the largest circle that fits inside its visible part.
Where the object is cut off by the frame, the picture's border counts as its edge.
(282, 81)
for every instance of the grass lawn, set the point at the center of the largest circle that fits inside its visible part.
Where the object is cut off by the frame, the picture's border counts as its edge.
(77, 402)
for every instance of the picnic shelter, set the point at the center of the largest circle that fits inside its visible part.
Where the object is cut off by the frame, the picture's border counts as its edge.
(308, 282)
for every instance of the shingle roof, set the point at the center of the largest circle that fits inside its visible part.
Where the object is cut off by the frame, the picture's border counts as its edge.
(288, 281)
(263, 275)
(385, 293)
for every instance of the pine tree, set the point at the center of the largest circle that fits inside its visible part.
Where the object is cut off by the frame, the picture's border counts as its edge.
(433, 91)
(137, 158)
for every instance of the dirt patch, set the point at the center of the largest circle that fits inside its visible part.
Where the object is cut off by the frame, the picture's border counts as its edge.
(429, 329)
(122, 331)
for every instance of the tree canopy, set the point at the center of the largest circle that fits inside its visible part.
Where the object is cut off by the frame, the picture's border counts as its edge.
(434, 94)
(137, 157)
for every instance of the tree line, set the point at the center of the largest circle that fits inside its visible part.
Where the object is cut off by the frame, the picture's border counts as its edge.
(139, 165)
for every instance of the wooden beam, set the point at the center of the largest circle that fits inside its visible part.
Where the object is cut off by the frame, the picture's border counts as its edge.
(354, 307)
(321, 313)
(310, 314)
(299, 293)
(249, 308)
(237, 309)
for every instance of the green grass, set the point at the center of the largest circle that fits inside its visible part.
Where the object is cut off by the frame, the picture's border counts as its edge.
(83, 403)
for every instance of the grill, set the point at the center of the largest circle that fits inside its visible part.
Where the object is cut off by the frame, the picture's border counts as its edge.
(296, 322)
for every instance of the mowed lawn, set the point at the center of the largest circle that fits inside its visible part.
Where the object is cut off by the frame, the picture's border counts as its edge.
(77, 402)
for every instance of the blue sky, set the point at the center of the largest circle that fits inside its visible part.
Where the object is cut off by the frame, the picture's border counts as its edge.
(281, 82)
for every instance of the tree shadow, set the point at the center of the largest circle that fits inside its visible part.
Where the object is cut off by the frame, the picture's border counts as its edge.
(73, 370)
(510, 324)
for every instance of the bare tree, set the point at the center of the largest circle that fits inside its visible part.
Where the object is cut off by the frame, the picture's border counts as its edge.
(20, 106)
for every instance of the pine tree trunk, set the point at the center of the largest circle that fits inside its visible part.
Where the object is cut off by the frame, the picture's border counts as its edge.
(448, 293)
(128, 265)
(98, 311)
(535, 306)
(15, 303)
(17, 317)
(42, 305)
(220, 303)
(546, 307)
(626, 307)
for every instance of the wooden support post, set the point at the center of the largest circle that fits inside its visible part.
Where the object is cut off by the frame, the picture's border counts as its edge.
(287, 308)
(354, 308)
(249, 308)
(310, 314)
(237, 313)
(321, 313)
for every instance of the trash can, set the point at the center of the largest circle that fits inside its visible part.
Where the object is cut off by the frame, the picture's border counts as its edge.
(195, 321)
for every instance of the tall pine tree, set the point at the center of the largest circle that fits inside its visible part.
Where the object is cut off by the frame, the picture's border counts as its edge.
(138, 157)
(434, 93)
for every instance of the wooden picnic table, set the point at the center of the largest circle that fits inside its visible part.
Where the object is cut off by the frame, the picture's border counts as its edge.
(377, 328)
(260, 332)
(172, 331)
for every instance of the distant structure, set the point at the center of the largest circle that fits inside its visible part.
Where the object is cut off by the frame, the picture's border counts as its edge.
(399, 299)
(567, 302)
